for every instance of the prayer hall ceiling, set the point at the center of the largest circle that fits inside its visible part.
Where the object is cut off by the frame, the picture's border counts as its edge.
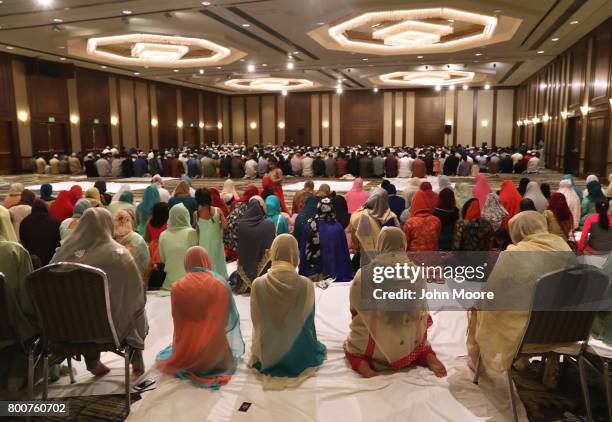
(301, 44)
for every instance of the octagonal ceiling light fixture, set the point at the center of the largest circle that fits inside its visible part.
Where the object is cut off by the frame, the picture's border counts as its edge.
(154, 50)
(424, 30)
(270, 84)
(427, 78)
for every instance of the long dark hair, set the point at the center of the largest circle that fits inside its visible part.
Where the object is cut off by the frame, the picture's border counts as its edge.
(602, 209)
(159, 214)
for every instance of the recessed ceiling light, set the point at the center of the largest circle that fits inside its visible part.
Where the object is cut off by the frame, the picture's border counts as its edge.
(365, 59)
(205, 3)
(264, 65)
(465, 87)
(61, 47)
(540, 51)
(103, 67)
(201, 71)
(497, 11)
(452, 87)
(62, 58)
(245, 25)
(375, 89)
(478, 54)
(487, 87)
(419, 57)
(241, 60)
(175, 70)
(219, 67)
(438, 87)
(573, 22)
(290, 65)
(251, 68)
(57, 20)
(44, 2)
(555, 39)
(136, 73)
(451, 20)
(127, 12)
(320, 23)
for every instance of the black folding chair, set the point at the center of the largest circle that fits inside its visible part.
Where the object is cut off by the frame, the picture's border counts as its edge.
(73, 304)
(562, 312)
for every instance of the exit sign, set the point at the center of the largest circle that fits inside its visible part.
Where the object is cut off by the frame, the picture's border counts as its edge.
(96, 121)
(51, 119)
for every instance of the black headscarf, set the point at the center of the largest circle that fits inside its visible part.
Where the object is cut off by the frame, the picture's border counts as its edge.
(46, 192)
(39, 233)
(522, 187)
(340, 206)
(527, 205)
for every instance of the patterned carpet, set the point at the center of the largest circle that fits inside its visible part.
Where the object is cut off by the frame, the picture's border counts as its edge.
(545, 176)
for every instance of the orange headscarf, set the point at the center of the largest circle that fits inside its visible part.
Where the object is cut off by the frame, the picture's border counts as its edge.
(420, 204)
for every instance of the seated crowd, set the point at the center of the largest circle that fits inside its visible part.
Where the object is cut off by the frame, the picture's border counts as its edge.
(180, 244)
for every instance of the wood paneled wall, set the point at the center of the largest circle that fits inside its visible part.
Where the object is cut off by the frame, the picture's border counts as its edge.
(360, 113)
(580, 77)
(9, 135)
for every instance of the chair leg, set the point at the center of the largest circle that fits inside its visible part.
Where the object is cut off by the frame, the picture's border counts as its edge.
(606, 375)
(127, 353)
(45, 375)
(30, 375)
(69, 360)
(511, 394)
(585, 388)
(477, 370)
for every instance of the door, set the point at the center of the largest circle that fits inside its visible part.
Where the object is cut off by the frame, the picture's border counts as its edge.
(7, 161)
(190, 137)
(539, 134)
(94, 136)
(572, 144)
(596, 156)
(51, 138)
(429, 108)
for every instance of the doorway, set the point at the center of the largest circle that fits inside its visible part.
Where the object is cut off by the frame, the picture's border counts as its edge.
(7, 158)
(190, 137)
(94, 136)
(539, 135)
(50, 138)
(571, 162)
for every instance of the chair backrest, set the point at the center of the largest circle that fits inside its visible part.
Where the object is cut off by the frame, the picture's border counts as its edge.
(73, 304)
(6, 329)
(565, 303)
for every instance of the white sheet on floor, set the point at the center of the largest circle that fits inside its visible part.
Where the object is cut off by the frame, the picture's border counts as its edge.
(111, 187)
(336, 185)
(401, 182)
(335, 394)
(142, 179)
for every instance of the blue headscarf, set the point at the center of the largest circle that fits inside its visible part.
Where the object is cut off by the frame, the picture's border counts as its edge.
(80, 207)
(273, 212)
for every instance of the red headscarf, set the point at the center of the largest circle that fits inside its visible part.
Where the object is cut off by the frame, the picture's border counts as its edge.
(558, 205)
(62, 207)
(432, 197)
(249, 192)
(267, 183)
(510, 198)
(421, 204)
(473, 211)
(218, 202)
(76, 193)
(481, 189)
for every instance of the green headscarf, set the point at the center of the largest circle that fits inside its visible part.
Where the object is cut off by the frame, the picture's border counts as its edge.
(127, 196)
(179, 218)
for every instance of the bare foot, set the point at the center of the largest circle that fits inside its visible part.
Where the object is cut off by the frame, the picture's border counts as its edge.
(437, 367)
(365, 370)
(99, 370)
(138, 367)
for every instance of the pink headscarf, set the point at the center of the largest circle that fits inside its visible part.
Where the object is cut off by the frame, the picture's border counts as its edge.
(356, 197)
(197, 257)
(481, 189)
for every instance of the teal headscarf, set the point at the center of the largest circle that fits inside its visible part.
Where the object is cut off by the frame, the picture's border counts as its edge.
(80, 207)
(595, 193)
(308, 212)
(127, 196)
(186, 179)
(576, 189)
(273, 212)
(150, 197)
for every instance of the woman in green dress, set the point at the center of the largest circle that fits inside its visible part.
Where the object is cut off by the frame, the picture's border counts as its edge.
(210, 224)
(174, 242)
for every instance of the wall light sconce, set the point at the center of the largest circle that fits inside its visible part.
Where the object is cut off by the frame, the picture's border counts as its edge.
(74, 119)
(325, 124)
(535, 120)
(484, 123)
(545, 118)
(154, 122)
(219, 125)
(519, 123)
(114, 120)
(179, 123)
(253, 125)
(281, 125)
(526, 122)
(201, 125)
(584, 110)
(284, 92)
(339, 90)
(564, 115)
(22, 116)
(610, 101)
(398, 123)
